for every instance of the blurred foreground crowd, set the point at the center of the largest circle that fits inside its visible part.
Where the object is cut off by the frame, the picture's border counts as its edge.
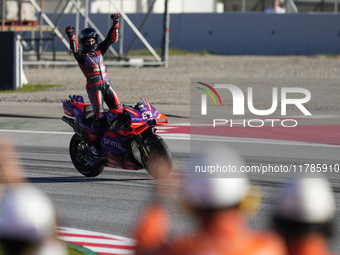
(302, 219)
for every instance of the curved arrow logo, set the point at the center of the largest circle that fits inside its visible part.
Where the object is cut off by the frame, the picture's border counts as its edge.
(209, 93)
(204, 97)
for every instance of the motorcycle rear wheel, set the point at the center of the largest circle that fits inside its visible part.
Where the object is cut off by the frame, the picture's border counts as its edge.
(77, 149)
(159, 161)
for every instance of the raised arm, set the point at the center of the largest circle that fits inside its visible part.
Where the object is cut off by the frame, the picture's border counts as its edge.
(112, 35)
(74, 47)
(72, 38)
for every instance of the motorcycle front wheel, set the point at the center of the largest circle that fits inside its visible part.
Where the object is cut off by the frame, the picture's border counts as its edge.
(158, 162)
(77, 150)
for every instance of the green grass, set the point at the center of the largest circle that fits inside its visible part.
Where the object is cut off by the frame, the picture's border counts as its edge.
(73, 251)
(31, 88)
(78, 250)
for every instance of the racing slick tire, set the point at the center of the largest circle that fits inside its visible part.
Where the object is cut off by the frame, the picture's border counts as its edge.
(77, 150)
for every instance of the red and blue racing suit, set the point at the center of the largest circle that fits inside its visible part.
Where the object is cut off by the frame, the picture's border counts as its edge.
(98, 86)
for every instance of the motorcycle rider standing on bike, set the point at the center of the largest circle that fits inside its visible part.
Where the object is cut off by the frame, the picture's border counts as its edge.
(99, 88)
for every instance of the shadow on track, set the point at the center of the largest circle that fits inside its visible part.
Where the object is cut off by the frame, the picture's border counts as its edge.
(72, 179)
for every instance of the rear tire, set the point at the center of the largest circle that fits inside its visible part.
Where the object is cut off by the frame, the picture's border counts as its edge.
(77, 150)
(159, 162)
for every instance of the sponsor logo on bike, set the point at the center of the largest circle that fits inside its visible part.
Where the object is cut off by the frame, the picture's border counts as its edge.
(137, 124)
(112, 143)
(136, 119)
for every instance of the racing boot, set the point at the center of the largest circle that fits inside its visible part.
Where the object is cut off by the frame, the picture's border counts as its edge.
(97, 154)
(94, 145)
(95, 151)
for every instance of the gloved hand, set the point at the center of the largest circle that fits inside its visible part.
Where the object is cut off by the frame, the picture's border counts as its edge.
(115, 18)
(70, 31)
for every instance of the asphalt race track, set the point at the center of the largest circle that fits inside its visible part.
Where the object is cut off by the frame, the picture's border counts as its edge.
(111, 202)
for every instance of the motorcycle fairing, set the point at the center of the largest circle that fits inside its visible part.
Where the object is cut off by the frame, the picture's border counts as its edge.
(113, 142)
(148, 112)
(74, 109)
(125, 161)
(116, 142)
(142, 118)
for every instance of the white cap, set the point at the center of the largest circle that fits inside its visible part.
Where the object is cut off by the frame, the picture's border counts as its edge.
(203, 190)
(307, 200)
(27, 214)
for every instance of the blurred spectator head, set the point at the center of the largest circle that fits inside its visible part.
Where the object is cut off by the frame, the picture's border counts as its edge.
(204, 191)
(305, 206)
(28, 219)
(275, 3)
(27, 215)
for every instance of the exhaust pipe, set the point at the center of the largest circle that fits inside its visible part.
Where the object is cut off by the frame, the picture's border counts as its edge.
(74, 125)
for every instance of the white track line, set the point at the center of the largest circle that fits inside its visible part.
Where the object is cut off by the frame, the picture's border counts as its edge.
(197, 138)
(90, 241)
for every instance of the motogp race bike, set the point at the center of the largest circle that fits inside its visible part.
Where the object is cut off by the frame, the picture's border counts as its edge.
(128, 140)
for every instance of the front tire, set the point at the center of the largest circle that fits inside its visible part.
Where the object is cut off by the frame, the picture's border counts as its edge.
(77, 151)
(159, 161)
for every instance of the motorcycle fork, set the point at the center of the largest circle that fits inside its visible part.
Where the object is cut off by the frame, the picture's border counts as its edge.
(138, 139)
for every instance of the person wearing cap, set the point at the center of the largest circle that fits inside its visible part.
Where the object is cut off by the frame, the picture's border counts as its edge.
(303, 216)
(220, 205)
